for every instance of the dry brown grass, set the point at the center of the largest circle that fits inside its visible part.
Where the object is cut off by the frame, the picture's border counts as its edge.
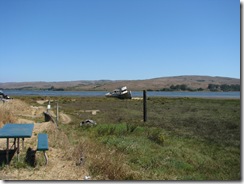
(6, 115)
(103, 163)
(11, 109)
(61, 163)
(59, 140)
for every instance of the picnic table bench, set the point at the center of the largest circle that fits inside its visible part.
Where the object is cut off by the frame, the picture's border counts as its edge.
(42, 144)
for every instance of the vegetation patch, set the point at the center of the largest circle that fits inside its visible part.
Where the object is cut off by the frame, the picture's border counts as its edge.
(183, 138)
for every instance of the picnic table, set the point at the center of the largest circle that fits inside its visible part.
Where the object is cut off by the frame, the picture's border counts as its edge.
(16, 132)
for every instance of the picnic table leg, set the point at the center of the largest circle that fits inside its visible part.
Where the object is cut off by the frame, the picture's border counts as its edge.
(18, 149)
(14, 143)
(23, 146)
(45, 155)
(7, 151)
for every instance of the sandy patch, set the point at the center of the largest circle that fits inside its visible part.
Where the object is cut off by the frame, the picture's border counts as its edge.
(64, 118)
(41, 102)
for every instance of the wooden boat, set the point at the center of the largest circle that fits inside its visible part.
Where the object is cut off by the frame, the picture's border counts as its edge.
(121, 93)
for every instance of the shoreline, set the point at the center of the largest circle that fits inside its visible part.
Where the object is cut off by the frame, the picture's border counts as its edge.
(135, 94)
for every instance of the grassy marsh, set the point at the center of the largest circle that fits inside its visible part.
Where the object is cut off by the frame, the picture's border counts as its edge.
(183, 139)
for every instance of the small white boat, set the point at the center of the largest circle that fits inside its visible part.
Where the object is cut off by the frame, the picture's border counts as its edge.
(121, 93)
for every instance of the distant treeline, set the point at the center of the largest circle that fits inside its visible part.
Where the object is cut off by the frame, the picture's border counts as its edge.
(211, 87)
(55, 89)
(224, 87)
(181, 87)
(178, 87)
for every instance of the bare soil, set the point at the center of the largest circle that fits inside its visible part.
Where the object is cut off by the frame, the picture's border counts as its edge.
(62, 164)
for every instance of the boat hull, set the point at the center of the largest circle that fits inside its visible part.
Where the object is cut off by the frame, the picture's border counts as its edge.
(125, 95)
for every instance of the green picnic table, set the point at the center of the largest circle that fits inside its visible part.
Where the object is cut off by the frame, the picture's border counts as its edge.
(16, 132)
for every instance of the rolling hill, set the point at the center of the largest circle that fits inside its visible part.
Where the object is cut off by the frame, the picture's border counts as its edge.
(190, 81)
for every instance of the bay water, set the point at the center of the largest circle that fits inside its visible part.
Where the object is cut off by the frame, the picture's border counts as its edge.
(134, 93)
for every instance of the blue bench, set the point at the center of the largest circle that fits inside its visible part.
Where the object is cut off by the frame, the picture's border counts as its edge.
(42, 144)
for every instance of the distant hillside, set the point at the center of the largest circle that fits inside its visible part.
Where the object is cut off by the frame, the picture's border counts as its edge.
(191, 82)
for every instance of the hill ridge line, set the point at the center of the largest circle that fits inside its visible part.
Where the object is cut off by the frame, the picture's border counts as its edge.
(192, 81)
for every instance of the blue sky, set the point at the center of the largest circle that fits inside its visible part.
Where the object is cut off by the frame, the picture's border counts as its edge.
(64, 40)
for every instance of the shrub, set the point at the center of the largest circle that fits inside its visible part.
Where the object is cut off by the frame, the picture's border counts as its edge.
(156, 136)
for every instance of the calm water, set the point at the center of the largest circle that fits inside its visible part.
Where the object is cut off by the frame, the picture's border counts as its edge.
(134, 93)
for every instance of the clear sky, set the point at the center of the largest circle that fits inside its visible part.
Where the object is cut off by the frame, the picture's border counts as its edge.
(64, 40)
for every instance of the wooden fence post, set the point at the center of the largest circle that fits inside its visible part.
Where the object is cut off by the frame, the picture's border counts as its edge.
(57, 114)
(144, 105)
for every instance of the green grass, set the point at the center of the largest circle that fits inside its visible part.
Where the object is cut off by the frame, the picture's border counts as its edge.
(183, 139)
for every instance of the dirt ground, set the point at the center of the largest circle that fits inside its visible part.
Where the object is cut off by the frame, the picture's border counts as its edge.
(61, 163)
